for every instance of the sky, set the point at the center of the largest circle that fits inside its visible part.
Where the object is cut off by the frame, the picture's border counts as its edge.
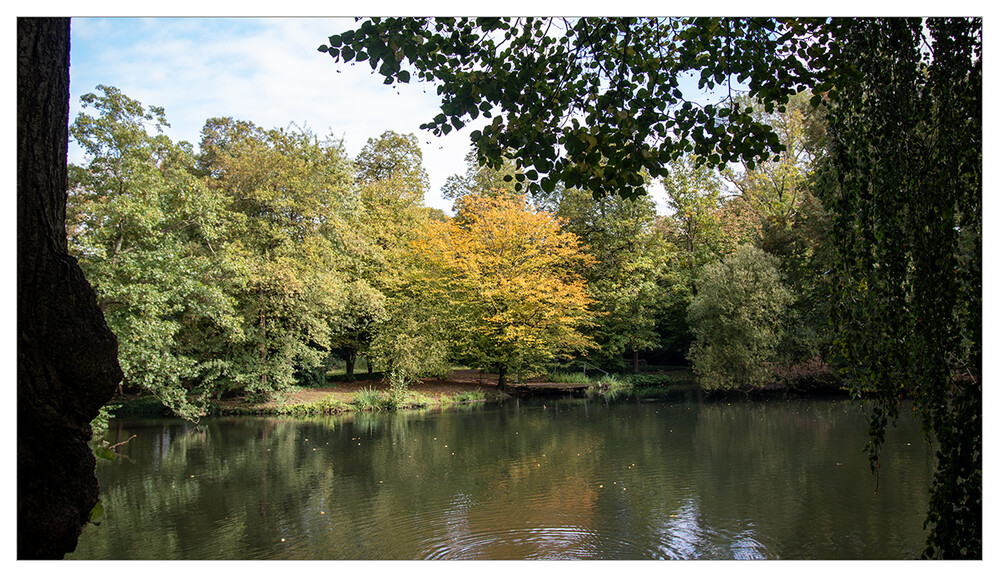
(264, 70)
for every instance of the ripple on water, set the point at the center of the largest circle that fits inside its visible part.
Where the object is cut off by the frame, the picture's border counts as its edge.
(527, 543)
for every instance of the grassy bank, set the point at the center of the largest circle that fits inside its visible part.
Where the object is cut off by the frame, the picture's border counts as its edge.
(464, 386)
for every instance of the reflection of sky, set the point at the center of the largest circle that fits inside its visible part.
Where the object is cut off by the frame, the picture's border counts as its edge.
(684, 535)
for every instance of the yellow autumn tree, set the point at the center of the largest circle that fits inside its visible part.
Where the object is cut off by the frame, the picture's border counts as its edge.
(507, 276)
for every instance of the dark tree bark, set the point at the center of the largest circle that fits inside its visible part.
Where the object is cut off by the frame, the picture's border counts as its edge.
(67, 358)
(349, 359)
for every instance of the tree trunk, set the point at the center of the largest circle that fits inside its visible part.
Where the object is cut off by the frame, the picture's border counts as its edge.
(262, 348)
(350, 358)
(634, 361)
(502, 377)
(67, 358)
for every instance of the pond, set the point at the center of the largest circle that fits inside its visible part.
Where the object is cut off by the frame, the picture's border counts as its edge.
(545, 479)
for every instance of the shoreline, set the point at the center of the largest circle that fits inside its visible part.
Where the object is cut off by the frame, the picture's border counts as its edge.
(463, 386)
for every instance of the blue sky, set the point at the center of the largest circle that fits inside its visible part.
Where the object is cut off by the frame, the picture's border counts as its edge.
(266, 71)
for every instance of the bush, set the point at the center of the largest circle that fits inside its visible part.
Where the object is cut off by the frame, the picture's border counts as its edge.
(311, 377)
(415, 401)
(399, 391)
(736, 320)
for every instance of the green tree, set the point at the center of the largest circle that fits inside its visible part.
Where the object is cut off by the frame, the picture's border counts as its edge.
(480, 180)
(393, 155)
(904, 183)
(788, 220)
(417, 337)
(594, 102)
(700, 228)
(296, 196)
(146, 232)
(627, 280)
(392, 183)
(736, 319)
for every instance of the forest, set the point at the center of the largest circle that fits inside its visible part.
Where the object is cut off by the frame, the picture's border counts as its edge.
(822, 223)
(267, 257)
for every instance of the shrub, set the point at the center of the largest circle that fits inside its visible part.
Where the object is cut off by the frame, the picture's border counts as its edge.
(736, 320)
(415, 401)
(399, 387)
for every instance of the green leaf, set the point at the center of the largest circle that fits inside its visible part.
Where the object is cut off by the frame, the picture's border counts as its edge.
(96, 514)
(106, 453)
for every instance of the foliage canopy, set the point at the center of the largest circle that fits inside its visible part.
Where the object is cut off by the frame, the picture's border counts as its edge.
(508, 274)
(597, 103)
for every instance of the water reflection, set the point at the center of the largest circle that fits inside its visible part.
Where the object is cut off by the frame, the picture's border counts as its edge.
(553, 480)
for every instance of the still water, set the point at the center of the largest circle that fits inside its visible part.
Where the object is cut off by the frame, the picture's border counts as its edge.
(567, 479)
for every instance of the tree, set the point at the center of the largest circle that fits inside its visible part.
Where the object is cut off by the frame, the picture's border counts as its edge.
(392, 183)
(143, 228)
(295, 193)
(594, 102)
(416, 338)
(480, 180)
(904, 183)
(627, 279)
(67, 366)
(393, 155)
(736, 319)
(788, 221)
(699, 226)
(509, 277)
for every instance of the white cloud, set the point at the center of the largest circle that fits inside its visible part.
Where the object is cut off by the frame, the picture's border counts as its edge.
(267, 71)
